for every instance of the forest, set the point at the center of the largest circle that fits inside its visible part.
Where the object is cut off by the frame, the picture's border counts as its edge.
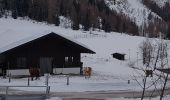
(163, 12)
(88, 13)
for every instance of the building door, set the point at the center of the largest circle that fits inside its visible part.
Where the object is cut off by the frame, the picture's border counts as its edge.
(45, 65)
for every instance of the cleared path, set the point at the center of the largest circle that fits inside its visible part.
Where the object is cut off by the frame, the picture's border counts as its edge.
(95, 95)
(102, 95)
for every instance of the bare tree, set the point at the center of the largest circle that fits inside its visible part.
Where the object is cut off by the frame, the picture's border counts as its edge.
(164, 64)
(147, 49)
(154, 55)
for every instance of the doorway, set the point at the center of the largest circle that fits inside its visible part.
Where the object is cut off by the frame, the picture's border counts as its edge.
(45, 65)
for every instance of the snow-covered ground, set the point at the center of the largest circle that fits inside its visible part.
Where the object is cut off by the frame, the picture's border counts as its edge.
(156, 98)
(108, 73)
(54, 98)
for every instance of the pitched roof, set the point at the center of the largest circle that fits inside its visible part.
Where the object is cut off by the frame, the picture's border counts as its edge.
(27, 39)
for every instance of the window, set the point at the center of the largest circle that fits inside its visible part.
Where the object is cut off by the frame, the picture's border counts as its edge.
(72, 59)
(21, 62)
(68, 60)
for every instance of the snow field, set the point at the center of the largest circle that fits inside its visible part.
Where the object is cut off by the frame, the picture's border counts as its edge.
(108, 73)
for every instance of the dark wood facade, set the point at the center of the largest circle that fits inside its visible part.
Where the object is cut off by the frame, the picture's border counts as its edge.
(119, 56)
(46, 52)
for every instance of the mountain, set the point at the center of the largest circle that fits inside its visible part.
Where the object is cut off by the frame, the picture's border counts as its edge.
(137, 17)
(147, 14)
(161, 3)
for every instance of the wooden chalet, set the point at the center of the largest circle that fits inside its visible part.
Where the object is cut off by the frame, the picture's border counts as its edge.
(51, 53)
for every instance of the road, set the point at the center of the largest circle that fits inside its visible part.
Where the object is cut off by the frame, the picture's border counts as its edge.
(95, 95)
(102, 95)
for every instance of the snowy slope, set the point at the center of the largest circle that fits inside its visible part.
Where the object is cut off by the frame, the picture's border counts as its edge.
(134, 9)
(161, 3)
(108, 73)
(106, 70)
(104, 44)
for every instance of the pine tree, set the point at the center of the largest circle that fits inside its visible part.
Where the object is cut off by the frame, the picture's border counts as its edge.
(114, 1)
(57, 21)
(1, 8)
(168, 33)
(107, 27)
(75, 26)
(81, 12)
(14, 14)
(92, 2)
(87, 22)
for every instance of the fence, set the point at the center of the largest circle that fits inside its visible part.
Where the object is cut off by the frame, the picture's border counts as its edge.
(88, 36)
(6, 95)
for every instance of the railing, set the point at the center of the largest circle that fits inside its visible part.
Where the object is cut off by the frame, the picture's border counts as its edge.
(89, 36)
(46, 94)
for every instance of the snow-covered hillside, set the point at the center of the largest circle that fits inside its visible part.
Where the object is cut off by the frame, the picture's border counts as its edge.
(108, 73)
(104, 44)
(161, 3)
(135, 10)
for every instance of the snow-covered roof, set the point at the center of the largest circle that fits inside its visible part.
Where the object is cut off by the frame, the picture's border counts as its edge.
(27, 38)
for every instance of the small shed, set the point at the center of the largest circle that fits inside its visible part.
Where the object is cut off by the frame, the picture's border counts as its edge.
(119, 56)
(51, 53)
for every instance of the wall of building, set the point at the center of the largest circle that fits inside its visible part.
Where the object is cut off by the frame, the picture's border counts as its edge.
(1, 71)
(18, 72)
(66, 70)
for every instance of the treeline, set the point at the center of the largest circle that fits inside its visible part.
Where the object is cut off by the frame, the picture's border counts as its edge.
(164, 12)
(88, 13)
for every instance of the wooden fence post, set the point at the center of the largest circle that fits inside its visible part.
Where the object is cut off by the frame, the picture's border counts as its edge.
(6, 95)
(47, 79)
(10, 78)
(28, 81)
(68, 80)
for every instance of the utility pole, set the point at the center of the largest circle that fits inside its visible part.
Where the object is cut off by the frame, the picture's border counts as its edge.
(137, 58)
